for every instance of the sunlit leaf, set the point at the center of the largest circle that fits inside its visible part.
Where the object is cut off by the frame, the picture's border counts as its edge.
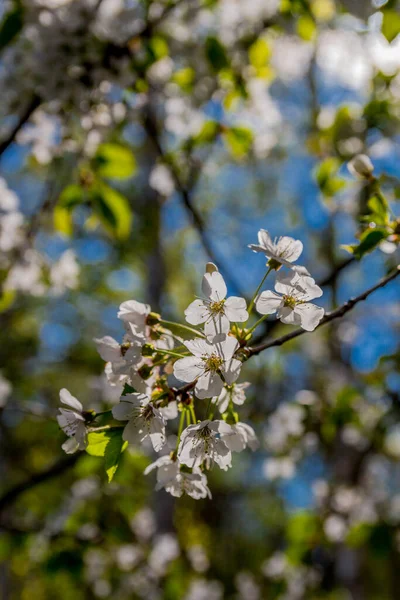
(113, 210)
(239, 140)
(390, 24)
(114, 161)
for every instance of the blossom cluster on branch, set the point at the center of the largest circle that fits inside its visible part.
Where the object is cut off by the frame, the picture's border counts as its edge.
(209, 364)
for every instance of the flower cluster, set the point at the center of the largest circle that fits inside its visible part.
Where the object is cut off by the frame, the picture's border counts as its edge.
(208, 364)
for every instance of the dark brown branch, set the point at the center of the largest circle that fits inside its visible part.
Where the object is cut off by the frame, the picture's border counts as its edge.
(198, 223)
(335, 314)
(55, 469)
(32, 106)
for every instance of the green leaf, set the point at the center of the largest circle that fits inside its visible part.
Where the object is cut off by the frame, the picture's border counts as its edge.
(71, 196)
(306, 28)
(379, 210)
(62, 219)
(114, 161)
(239, 140)
(7, 299)
(216, 54)
(259, 53)
(184, 78)
(113, 210)
(326, 178)
(390, 24)
(207, 133)
(369, 241)
(108, 444)
(11, 26)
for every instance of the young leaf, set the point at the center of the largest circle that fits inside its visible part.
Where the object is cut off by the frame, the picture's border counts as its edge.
(216, 54)
(114, 161)
(108, 444)
(113, 210)
(239, 140)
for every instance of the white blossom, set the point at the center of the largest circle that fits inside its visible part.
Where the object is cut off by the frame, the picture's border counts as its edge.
(161, 180)
(216, 311)
(72, 422)
(202, 443)
(231, 393)
(361, 166)
(279, 468)
(134, 313)
(209, 362)
(64, 273)
(292, 306)
(239, 437)
(178, 482)
(144, 420)
(283, 250)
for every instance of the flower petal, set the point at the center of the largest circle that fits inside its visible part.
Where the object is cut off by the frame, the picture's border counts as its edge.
(289, 248)
(288, 315)
(227, 348)
(189, 368)
(235, 309)
(213, 286)
(197, 312)
(216, 325)
(231, 370)
(108, 348)
(268, 302)
(199, 347)
(209, 384)
(310, 315)
(67, 398)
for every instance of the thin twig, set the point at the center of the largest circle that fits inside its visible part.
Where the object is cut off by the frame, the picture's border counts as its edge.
(55, 469)
(198, 223)
(31, 107)
(335, 314)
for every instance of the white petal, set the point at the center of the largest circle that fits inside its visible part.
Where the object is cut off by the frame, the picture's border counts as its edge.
(310, 289)
(134, 312)
(285, 282)
(157, 433)
(108, 348)
(188, 369)
(228, 347)
(213, 286)
(209, 384)
(197, 312)
(289, 248)
(170, 412)
(256, 248)
(199, 347)
(67, 398)
(265, 241)
(231, 370)
(132, 434)
(310, 315)
(216, 325)
(288, 316)
(223, 400)
(70, 446)
(268, 302)
(123, 411)
(235, 309)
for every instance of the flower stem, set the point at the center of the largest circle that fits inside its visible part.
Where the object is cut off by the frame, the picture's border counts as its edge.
(105, 428)
(257, 290)
(182, 327)
(191, 408)
(169, 353)
(180, 428)
(257, 324)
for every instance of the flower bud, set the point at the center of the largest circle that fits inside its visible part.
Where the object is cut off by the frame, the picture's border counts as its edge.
(211, 268)
(361, 166)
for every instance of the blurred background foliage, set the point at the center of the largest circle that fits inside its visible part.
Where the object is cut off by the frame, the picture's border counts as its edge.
(138, 140)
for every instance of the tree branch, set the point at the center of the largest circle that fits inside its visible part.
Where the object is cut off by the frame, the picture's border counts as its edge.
(198, 223)
(335, 314)
(57, 468)
(31, 107)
